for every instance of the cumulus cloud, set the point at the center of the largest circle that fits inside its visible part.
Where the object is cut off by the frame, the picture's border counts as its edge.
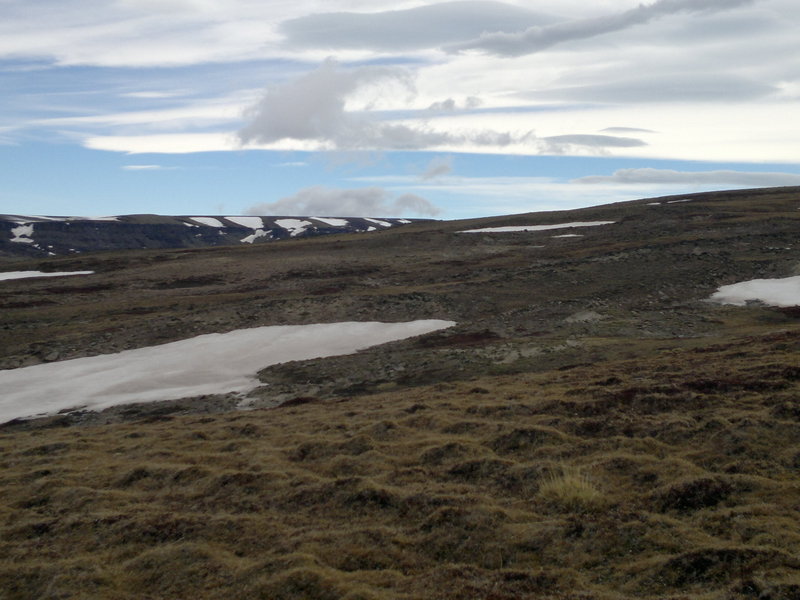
(333, 202)
(439, 166)
(450, 104)
(444, 105)
(668, 176)
(409, 29)
(313, 107)
(539, 37)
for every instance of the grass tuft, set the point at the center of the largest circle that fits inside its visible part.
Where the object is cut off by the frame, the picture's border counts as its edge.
(571, 489)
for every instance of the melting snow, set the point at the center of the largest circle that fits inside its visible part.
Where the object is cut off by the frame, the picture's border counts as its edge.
(26, 274)
(216, 363)
(332, 222)
(258, 233)
(22, 233)
(537, 227)
(379, 222)
(567, 235)
(210, 221)
(251, 222)
(775, 292)
(293, 226)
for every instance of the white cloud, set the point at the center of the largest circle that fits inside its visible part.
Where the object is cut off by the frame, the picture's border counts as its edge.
(540, 37)
(423, 26)
(562, 144)
(331, 202)
(192, 116)
(314, 107)
(469, 103)
(142, 167)
(670, 177)
(625, 87)
(627, 130)
(168, 143)
(137, 34)
(440, 165)
(154, 95)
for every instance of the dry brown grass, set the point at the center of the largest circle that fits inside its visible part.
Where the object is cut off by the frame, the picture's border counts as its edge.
(671, 477)
(571, 489)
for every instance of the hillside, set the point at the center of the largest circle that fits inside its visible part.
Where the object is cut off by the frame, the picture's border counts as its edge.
(35, 236)
(591, 427)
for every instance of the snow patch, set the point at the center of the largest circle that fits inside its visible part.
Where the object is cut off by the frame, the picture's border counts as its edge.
(774, 292)
(293, 226)
(258, 233)
(209, 221)
(332, 222)
(537, 227)
(22, 233)
(27, 274)
(251, 222)
(567, 235)
(379, 222)
(216, 363)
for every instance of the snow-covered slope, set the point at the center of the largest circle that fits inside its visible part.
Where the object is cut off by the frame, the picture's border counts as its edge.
(39, 236)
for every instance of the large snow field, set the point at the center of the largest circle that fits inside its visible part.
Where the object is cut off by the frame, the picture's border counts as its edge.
(775, 292)
(215, 363)
(26, 274)
(513, 228)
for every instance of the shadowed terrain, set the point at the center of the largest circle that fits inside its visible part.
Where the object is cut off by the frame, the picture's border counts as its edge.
(591, 428)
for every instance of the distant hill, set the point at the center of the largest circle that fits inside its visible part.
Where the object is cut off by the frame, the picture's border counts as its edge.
(37, 236)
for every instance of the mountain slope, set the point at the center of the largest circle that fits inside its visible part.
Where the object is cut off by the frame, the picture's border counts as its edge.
(32, 237)
(593, 427)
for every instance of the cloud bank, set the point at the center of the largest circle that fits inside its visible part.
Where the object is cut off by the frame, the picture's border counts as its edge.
(409, 29)
(540, 37)
(561, 144)
(668, 176)
(332, 202)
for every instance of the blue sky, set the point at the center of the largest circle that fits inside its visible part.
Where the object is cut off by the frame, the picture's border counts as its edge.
(413, 108)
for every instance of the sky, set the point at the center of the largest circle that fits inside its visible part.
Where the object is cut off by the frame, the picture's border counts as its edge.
(414, 108)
